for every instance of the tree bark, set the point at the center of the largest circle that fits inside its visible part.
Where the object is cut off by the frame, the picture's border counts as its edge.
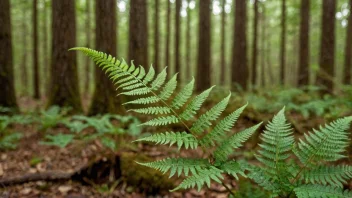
(327, 46)
(239, 52)
(348, 50)
(283, 43)
(303, 73)
(138, 29)
(204, 59)
(24, 65)
(104, 100)
(46, 62)
(64, 77)
(35, 51)
(168, 27)
(263, 46)
(188, 43)
(88, 43)
(7, 94)
(177, 37)
(255, 45)
(222, 40)
(156, 36)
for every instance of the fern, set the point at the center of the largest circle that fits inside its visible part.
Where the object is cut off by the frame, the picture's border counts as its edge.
(277, 171)
(169, 107)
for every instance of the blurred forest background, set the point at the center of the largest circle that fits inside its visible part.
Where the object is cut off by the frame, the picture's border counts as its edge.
(253, 44)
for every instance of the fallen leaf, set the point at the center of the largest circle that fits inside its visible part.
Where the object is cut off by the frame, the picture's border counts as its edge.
(26, 191)
(64, 189)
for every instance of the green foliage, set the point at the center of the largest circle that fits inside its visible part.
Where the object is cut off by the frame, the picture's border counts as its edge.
(52, 117)
(278, 171)
(8, 138)
(61, 140)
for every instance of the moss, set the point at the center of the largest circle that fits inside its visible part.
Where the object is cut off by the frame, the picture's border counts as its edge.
(145, 179)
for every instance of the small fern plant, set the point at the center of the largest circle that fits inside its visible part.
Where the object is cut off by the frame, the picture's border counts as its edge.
(310, 175)
(170, 107)
(278, 172)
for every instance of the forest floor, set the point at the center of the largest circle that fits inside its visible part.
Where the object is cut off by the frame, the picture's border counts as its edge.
(74, 171)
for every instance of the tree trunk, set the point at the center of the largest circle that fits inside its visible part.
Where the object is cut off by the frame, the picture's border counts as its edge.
(46, 64)
(156, 36)
(177, 37)
(188, 43)
(7, 94)
(104, 100)
(167, 47)
(303, 73)
(64, 78)
(255, 44)
(283, 43)
(24, 65)
(348, 50)
(263, 46)
(204, 59)
(35, 51)
(138, 30)
(239, 53)
(327, 46)
(87, 79)
(222, 40)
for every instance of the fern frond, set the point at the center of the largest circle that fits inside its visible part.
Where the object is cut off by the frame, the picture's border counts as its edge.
(180, 138)
(233, 168)
(169, 88)
(199, 179)
(144, 101)
(259, 176)
(225, 148)
(277, 143)
(223, 126)
(333, 175)
(326, 144)
(204, 120)
(178, 165)
(159, 80)
(162, 121)
(195, 104)
(182, 97)
(312, 190)
(152, 110)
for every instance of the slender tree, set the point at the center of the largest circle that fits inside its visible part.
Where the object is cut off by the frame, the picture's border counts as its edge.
(283, 42)
(188, 42)
(46, 64)
(222, 40)
(255, 44)
(348, 50)
(87, 79)
(104, 100)
(7, 94)
(35, 51)
(239, 53)
(168, 27)
(327, 46)
(138, 39)
(204, 59)
(24, 65)
(263, 45)
(64, 78)
(303, 73)
(177, 36)
(156, 36)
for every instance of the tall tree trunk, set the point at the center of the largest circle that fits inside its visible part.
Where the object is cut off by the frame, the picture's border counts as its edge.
(239, 53)
(7, 93)
(263, 46)
(24, 65)
(156, 36)
(222, 40)
(168, 27)
(138, 40)
(177, 36)
(88, 43)
(283, 43)
(303, 73)
(104, 100)
(46, 64)
(188, 43)
(255, 44)
(327, 46)
(35, 51)
(64, 89)
(348, 50)
(204, 59)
